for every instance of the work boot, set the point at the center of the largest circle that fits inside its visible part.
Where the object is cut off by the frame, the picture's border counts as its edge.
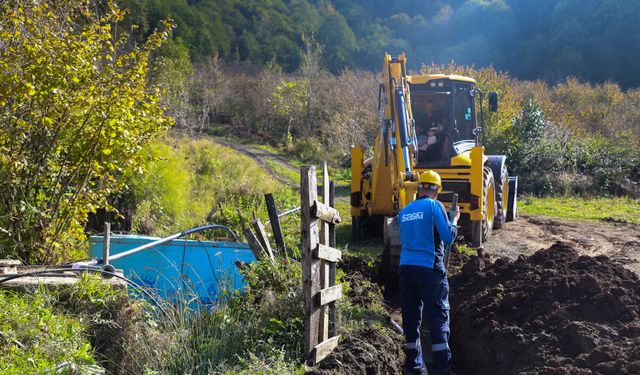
(413, 362)
(415, 371)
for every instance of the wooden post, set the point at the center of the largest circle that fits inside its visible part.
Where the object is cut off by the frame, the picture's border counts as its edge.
(325, 276)
(332, 228)
(256, 248)
(310, 264)
(274, 220)
(324, 230)
(106, 243)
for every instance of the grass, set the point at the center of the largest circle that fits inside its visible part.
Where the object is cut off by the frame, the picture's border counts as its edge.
(583, 209)
(283, 171)
(192, 182)
(340, 175)
(63, 330)
(92, 328)
(465, 249)
(256, 332)
(36, 338)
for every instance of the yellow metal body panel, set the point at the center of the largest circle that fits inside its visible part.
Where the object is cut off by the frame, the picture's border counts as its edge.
(356, 180)
(430, 77)
(464, 159)
(381, 202)
(477, 166)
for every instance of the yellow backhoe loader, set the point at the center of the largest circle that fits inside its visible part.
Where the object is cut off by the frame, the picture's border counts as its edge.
(429, 122)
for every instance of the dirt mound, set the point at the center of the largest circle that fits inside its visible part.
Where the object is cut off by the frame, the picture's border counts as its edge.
(555, 312)
(367, 351)
(456, 260)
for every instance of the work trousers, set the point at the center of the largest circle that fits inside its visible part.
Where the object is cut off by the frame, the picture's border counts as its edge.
(422, 286)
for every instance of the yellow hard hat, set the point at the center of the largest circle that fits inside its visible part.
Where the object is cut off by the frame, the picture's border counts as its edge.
(432, 178)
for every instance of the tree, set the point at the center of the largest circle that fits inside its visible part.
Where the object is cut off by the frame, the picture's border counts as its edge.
(338, 42)
(174, 73)
(75, 110)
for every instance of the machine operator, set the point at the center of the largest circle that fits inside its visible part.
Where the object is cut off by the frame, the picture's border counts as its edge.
(424, 231)
(431, 138)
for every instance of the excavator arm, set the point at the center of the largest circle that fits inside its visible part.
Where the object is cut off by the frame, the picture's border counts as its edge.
(394, 153)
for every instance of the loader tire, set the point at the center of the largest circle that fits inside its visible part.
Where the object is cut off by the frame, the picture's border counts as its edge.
(490, 206)
(512, 213)
(501, 179)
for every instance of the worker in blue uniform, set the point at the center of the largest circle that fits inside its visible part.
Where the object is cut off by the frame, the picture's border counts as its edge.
(424, 231)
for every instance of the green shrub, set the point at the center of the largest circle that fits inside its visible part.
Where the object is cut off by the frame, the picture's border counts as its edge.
(75, 109)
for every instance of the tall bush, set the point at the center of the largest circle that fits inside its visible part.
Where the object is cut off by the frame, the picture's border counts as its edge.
(75, 109)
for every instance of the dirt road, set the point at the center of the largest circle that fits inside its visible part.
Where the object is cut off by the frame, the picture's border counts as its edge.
(618, 240)
(262, 157)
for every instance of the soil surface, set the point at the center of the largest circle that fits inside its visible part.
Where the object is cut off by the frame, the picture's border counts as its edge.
(618, 240)
(375, 348)
(554, 312)
(544, 296)
(366, 351)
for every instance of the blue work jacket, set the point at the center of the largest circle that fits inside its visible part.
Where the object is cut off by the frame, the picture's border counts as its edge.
(424, 229)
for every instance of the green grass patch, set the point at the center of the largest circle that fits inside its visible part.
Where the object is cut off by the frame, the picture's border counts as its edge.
(466, 249)
(587, 209)
(35, 338)
(283, 171)
(339, 174)
(259, 331)
(192, 182)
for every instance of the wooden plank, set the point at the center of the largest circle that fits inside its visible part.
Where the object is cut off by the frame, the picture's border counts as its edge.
(329, 294)
(332, 306)
(325, 316)
(310, 264)
(322, 350)
(327, 253)
(322, 211)
(274, 220)
(261, 234)
(257, 250)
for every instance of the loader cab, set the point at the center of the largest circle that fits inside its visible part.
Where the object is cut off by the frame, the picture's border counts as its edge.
(455, 131)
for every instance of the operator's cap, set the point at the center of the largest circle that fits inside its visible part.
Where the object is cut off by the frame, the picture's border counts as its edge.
(430, 180)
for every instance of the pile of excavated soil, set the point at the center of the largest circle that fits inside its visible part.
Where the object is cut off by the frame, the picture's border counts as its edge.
(554, 312)
(366, 351)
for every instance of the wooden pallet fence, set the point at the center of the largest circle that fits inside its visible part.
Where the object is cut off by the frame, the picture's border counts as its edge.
(319, 266)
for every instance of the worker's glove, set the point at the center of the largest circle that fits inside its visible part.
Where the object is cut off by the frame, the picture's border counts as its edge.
(456, 215)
